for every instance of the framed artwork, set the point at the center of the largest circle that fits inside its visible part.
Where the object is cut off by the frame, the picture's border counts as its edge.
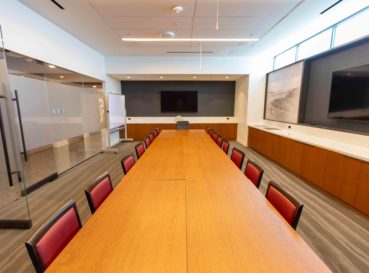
(283, 92)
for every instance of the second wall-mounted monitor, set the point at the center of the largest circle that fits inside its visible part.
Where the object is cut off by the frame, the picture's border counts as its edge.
(178, 101)
(349, 98)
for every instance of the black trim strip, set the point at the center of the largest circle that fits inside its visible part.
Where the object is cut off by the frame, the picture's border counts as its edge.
(16, 99)
(324, 11)
(39, 184)
(57, 4)
(15, 224)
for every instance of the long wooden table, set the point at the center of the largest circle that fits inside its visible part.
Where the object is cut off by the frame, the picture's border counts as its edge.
(185, 207)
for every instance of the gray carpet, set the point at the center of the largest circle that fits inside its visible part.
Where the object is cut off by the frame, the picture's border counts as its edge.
(339, 235)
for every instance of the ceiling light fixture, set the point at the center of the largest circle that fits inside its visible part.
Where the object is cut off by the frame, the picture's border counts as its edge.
(177, 9)
(167, 34)
(128, 77)
(226, 77)
(94, 86)
(190, 39)
(62, 77)
(161, 77)
(194, 77)
(52, 66)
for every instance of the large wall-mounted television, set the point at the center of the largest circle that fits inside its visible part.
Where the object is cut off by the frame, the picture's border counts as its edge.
(178, 101)
(349, 97)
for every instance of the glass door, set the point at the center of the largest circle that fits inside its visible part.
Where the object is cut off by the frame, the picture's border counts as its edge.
(14, 210)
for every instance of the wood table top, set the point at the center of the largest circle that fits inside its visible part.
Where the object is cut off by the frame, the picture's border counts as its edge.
(185, 207)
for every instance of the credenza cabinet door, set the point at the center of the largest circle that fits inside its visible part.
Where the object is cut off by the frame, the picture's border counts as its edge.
(313, 164)
(341, 176)
(362, 196)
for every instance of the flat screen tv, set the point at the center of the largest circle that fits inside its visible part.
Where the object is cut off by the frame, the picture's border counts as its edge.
(178, 101)
(350, 94)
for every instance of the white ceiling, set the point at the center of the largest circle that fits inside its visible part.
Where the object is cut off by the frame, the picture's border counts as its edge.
(102, 23)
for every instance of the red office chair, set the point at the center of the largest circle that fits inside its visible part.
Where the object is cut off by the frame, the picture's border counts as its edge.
(140, 149)
(219, 141)
(254, 172)
(211, 131)
(127, 163)
(157, 131)
(225, 146)
(151, 137)
(147, 142)
(51, 238)
(237, 157)
(98, 191)
(154, 133)
(286, 205)
(215, 137)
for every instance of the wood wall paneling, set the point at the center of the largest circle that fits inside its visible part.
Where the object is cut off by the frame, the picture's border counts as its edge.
(139, 131)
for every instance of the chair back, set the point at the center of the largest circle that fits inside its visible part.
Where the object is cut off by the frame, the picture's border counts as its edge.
(225, 146)
(140, 149)
(154, 133)
(211, 131)
(254, 172)
(98, 191)
(151, 137)
(219, 141)
(157, 131)
(127, 163)
(237, 157)
(51, 238)
(147, 142)
(284, 203)
(215, 136)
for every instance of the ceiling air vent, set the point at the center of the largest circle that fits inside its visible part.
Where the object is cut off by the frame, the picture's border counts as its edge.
(57, 4)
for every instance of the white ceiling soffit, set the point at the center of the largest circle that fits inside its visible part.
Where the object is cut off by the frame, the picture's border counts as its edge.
(176, 77)
(102, 23)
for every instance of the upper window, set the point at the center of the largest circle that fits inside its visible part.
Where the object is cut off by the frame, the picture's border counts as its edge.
(352, 29)
(316, 44)
(285, 58)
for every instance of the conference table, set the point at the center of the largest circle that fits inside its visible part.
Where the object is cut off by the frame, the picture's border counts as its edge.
(186, 207)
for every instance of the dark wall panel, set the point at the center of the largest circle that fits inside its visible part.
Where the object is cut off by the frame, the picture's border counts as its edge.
(215, 98)
(319, 86)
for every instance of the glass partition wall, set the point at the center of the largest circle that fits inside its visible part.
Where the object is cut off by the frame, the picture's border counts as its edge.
(60, 119)
(14, 211)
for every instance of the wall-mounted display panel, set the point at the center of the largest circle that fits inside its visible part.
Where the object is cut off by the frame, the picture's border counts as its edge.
(283, 92)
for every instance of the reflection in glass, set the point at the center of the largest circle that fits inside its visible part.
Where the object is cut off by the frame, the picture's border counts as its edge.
(316, 44)
(352, 29)
(285, 58)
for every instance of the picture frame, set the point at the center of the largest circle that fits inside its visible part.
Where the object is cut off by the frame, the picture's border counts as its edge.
(283, 93)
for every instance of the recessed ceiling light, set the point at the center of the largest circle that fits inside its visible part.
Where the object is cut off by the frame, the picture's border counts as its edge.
(190, 39)
(62, 77)
(194, 77)
(167, 34)
(161, 77)
(52, 66)
(226, 77)
(177, 9)
(128, 77)
(94, 86)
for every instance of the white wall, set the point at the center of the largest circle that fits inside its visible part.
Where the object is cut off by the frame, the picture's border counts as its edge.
(177, 65)
(295, 28)
(28, 33)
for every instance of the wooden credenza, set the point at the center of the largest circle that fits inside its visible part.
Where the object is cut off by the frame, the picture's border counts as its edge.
(139, 131)
(344, 177)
